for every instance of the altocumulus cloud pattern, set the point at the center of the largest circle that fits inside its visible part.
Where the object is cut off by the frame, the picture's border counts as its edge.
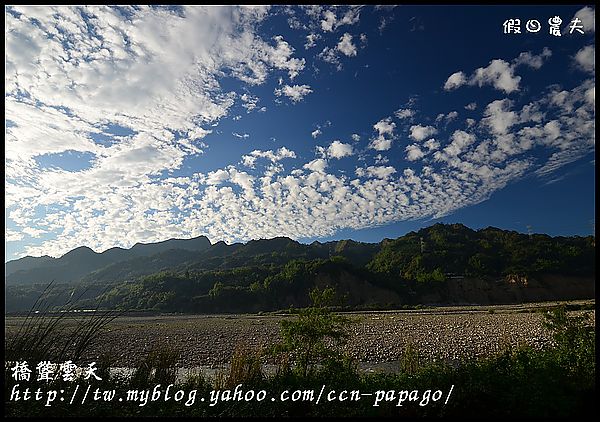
(138, 124)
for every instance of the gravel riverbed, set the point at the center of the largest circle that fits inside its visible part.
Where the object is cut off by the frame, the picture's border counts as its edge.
(375, 337)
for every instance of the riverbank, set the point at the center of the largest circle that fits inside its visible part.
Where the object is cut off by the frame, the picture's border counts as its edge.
(376, 338)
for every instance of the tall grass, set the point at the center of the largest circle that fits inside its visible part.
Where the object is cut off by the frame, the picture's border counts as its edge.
(245, 368)
(410, 361)
(158, 367)
(52, 332)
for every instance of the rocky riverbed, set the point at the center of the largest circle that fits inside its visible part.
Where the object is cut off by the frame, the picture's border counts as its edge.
(375, 337)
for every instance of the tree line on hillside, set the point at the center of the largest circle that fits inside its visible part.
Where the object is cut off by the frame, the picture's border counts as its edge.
(408, 267)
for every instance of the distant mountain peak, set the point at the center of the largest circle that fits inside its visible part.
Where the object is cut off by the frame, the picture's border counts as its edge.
(83, 260)
(276, 238)
(80, 251)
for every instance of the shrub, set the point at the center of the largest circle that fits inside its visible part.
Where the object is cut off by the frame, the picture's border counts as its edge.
(315, 335)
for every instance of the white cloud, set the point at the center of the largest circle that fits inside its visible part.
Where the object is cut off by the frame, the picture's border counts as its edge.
(338, 149)
(280, 58)
(447, 117)
(380, 159)
(317, 165)
(471, 106)
(241, 135)
(419, 133)
(531, 60)
(321, 151)
(351, 17)
(460, 141)
(250, 102)
(499, 117)
(380, 172)
(404, 113)
(329, 55)
(242, 179)
(588, 20)
(345, 45)
(217, 177)
(248, 160)
(295, 93)
(586, 58)
(385, 126)
(273, 156)
(414, 152)
(590, 96)
(153, 73)
(381, 144)
(311, 40)
(33, 232)
(316, 133)
(499, 73)
(385, 129)
(12, 236)
(432, 144)
(451, 116)
(455, 80)
(328, 21)
(355, 137)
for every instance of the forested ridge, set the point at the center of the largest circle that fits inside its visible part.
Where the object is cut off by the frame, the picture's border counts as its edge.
(277, 273)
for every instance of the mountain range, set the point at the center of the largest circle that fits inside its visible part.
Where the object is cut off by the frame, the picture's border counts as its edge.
(118, 264)
(442, 264)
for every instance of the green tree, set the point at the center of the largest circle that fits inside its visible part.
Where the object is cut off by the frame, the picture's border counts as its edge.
(475, 266)
(315, 335)
(575, 339)
(217, 289)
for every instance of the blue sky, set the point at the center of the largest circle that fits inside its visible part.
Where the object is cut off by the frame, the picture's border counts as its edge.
(139, 124)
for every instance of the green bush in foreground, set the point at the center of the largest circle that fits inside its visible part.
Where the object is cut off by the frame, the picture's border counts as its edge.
(314, 337)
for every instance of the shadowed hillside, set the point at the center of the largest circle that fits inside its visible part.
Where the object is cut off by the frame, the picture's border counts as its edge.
(441, 264)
